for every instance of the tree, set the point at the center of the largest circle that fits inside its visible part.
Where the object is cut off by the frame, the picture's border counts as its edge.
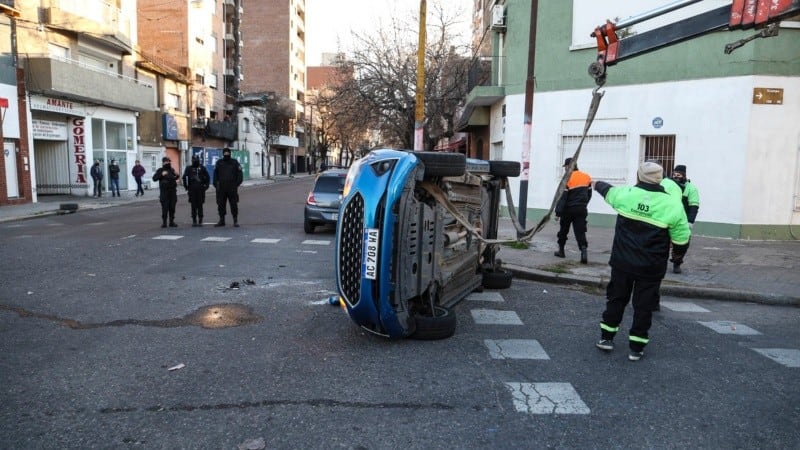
(273, 115)
(376, 86)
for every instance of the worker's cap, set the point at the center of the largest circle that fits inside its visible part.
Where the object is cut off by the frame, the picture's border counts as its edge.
(165, 159)
(680, 168)
(567, 162)
(650, 172)
(226, 151)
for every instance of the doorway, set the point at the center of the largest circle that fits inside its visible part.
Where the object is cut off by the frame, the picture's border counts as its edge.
(12, 180)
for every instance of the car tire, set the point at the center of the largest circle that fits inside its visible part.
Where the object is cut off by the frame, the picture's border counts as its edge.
(439, 164)
(308, 227)
(441, 325)
(504, 168)
(497, 279)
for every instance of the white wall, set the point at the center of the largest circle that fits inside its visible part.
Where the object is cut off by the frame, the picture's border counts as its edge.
(742, 157)
(10, 114)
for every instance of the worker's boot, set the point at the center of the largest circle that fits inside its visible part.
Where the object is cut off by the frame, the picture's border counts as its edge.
(235, 221)
(560, 252)
(584, 256)
(676, 268)
(200, 221)
(221, 222)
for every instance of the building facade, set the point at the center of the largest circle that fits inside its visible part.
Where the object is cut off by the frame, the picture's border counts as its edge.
(274, 61)
(687, 104)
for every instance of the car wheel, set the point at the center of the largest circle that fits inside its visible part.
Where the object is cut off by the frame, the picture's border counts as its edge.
(439, 164)
(504, 168)
(308, 227)
(497, 279)
(441, 325)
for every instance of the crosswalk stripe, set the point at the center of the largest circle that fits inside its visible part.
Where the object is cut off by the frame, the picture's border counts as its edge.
(485, 297)
(265, 241)
(728, 327)
(215, 239)
(515, 349)
(495, 317)
(547, 398)
(789, 357)
(168, 237)
(313, 242)
(683, 307)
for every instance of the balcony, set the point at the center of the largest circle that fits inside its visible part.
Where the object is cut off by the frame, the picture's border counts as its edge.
(95, 18)
(221, 129)
(69, 78)
(482, 91)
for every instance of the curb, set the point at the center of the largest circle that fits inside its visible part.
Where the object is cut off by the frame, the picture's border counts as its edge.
(527, 273)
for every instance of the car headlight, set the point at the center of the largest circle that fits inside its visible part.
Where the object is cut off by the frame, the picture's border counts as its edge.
(351, 175)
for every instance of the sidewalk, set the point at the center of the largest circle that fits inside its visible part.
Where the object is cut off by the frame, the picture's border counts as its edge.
(724, 269)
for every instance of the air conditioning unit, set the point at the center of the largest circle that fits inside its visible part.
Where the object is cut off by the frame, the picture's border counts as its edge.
(498, 17)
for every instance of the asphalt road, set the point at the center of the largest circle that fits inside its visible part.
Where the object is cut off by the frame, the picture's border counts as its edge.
(96, 307)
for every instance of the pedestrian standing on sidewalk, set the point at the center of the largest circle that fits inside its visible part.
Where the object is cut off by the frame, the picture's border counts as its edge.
(113, 175)
(228, 177)
(648, 220)
(138, 172)
(571, 209)
(167, 191)
(690, 198)
(97, 178)
(196, 181)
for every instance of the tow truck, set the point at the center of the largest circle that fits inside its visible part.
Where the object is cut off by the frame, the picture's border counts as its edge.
(763, 15)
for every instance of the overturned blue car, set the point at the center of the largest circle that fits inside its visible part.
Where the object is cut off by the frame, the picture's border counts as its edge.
(414, 238)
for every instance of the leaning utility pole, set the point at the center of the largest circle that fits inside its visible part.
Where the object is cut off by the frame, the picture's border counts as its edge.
(419, 110)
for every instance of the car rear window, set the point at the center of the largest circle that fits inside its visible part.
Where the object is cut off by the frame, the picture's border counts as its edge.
(329, 184)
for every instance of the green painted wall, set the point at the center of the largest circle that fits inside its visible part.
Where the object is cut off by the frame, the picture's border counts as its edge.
(558, 68)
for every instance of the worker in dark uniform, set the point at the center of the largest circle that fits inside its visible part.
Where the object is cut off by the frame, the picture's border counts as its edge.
(571, 209)
(228, 177)
(690, 198)
(648, 220)
(196, 181)
(168, 191)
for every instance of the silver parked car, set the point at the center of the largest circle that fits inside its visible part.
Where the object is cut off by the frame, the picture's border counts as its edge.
(322, 203)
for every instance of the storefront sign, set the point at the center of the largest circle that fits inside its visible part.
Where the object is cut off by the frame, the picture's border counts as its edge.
(78, 141)
(58, 105)
(49, 130)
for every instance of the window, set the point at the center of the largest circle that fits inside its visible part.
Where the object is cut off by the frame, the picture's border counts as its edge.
(57, 51)
(119, 136)
(200, 79)
(604, 152)
(212, 80)
(246, 125)
(662, 150)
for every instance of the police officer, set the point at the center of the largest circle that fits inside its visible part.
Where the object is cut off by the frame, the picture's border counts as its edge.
(571, 209)
(690, 198)
(168, 191)
(648, 220)
(228, 177)
(196, 180)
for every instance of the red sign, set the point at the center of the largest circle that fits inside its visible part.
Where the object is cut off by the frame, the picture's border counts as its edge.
(3, 102)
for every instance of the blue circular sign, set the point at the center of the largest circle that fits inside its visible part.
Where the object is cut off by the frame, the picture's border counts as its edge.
(658, 122)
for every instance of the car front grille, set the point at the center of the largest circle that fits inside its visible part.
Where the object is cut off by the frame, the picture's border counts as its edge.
(351, 241)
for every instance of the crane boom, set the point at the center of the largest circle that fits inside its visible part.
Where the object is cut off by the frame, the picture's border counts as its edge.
(741, 14)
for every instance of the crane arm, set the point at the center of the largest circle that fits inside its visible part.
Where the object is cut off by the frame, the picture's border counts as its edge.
(741, 14)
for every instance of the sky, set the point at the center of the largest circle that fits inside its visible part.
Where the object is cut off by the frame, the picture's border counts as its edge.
(329, 22)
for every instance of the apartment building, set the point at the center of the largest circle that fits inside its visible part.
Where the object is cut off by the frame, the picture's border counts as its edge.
(200, 40)
(83, 97)
(15, 178)
(273, 61)
(688, 103)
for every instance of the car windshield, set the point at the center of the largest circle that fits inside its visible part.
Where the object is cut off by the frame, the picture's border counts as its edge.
(329, 184)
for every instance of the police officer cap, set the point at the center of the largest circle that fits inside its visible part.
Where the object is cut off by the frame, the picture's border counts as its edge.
(165, 159)
(195, 158)
(226, 150)
(567, 162)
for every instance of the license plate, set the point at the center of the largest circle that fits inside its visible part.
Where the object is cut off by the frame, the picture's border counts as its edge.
(335, 216)
(369, 266)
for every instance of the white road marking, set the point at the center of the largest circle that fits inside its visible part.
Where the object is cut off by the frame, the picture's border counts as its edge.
(683, 307)
(168, 237)
(215, 239)
(313, 242)
(495, 317)
(486, 297)
(789, 357)
(547, 398)
(265, 241)
(515, 349)
(727, 327)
